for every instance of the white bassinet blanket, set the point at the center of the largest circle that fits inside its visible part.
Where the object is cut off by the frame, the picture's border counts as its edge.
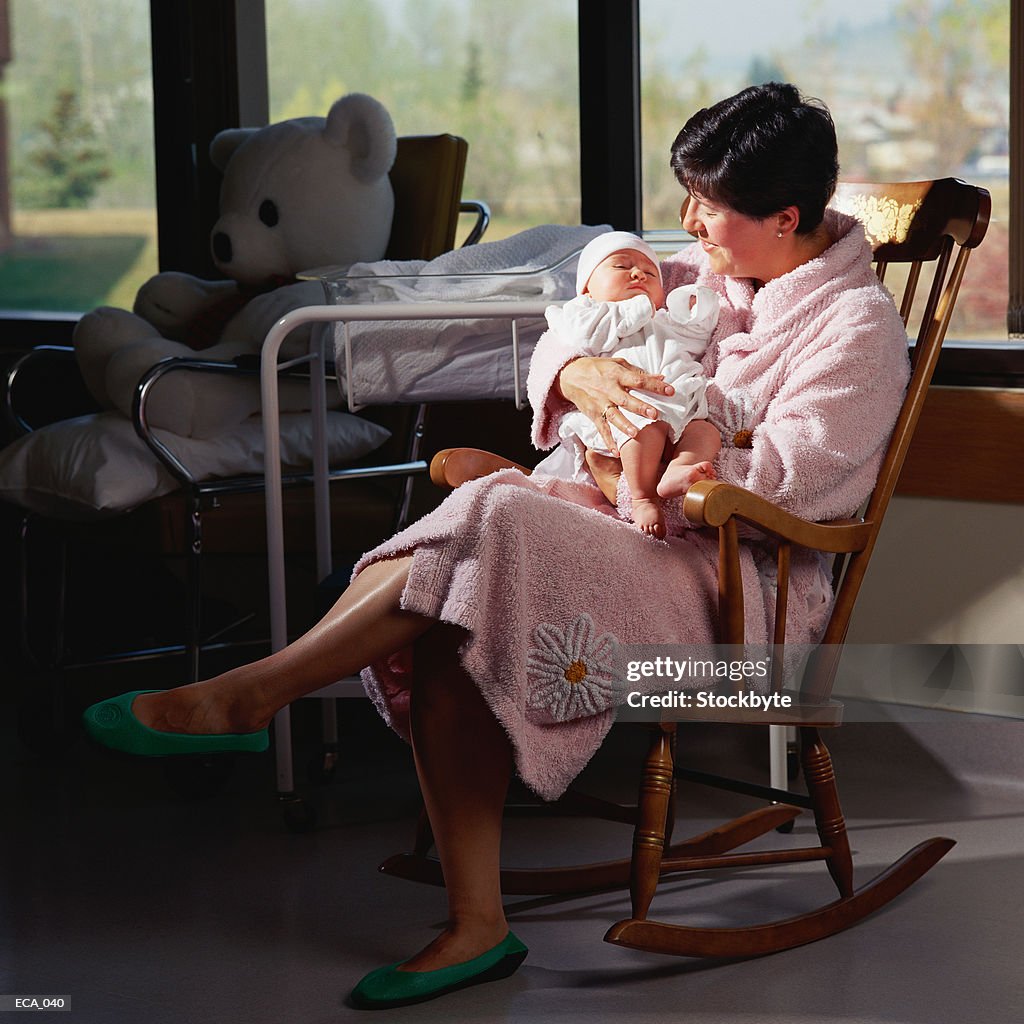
(438, 360)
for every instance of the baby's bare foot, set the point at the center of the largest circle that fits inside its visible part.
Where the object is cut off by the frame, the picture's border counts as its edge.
(198, 709)
(678, 478)
(648, 516)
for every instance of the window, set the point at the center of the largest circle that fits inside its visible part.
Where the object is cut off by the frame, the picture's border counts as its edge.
(77, 197)
(918, 89)
(467, 59)
(501, 75)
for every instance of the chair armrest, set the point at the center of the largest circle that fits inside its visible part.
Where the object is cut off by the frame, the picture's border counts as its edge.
(240, 367)
(454, 466)
(145, 385)
(714, 503)
(42, 386)
(483, 218)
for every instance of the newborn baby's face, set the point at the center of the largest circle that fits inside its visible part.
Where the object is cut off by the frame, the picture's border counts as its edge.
(624, 274)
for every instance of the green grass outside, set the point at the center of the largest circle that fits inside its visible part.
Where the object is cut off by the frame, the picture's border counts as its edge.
(75, 260)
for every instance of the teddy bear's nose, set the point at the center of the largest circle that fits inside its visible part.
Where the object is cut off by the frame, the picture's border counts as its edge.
(222, 247)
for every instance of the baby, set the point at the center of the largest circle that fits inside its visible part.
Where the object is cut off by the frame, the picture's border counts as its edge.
(620, 311)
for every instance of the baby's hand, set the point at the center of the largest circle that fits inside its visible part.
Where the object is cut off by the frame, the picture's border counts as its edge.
(680, 304)
(693, 305)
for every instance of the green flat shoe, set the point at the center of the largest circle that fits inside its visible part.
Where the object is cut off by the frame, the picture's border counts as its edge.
(388, 986)
(113, 724)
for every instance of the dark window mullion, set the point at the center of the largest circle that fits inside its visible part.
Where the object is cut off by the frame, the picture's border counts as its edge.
(609, 49)
(1015, 312)
(195, 95)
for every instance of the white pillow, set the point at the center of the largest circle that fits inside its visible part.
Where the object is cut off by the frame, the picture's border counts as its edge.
(96, 465)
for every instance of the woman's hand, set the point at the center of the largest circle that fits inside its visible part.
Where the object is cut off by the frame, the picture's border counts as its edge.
(599, 387)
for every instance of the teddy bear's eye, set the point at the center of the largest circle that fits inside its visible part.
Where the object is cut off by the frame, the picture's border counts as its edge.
(268, 212)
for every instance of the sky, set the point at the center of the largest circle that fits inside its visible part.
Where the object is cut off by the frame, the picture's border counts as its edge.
(761, 25)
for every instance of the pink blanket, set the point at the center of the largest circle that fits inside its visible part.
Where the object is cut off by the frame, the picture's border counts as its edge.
(477, 562)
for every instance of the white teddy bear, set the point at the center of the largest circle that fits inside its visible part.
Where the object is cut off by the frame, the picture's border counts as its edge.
(303, 193)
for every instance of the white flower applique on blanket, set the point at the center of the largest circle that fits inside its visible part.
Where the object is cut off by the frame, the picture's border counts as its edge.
(738, 419)
(570, 672)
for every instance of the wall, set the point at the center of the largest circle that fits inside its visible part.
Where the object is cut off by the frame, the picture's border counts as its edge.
(952, 572)
(945, 571)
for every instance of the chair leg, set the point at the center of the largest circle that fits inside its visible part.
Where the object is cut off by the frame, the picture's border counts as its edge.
(670, 817)
(52, 658)
(828, 815)
(656, 788)
(25, 618)
(847, 910)
(194, 555)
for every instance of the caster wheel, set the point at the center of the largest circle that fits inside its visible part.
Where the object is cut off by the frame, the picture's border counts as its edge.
(786, 827)
(298, 815)
(199, 778)
(45, 730)
(320, 771)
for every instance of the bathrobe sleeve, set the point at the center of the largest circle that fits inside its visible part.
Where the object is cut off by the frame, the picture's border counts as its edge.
(682, 267)
(819, 447)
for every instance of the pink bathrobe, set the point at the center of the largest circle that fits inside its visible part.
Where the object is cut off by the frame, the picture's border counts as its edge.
(544, 577)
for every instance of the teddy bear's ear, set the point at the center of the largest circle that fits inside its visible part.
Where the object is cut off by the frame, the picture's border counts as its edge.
(360, 124)
(226, 142)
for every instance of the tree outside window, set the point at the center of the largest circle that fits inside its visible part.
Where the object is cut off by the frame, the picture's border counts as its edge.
(77, 167)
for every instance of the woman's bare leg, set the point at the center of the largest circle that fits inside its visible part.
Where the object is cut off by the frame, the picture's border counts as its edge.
(463, 757)
(464, 763)
(365, 624)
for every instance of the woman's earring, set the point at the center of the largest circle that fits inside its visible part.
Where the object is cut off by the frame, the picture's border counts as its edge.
(778, 234)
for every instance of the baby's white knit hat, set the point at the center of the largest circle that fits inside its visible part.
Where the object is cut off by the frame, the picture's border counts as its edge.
(604, 245)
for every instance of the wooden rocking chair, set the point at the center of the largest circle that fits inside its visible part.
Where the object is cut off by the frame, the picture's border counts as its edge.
(913, 223)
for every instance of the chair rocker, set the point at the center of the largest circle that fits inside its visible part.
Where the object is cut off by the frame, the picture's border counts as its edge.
(921, 222)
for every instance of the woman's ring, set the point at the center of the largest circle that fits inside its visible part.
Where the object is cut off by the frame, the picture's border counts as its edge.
(604, 415)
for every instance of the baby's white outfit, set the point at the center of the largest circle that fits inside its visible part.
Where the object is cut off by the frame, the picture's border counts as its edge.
(669, 341)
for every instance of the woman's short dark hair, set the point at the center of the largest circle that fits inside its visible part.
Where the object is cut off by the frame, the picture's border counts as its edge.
(760, 151)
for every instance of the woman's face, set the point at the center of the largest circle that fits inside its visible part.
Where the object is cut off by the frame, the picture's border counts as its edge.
(737, 245)
(624, 274)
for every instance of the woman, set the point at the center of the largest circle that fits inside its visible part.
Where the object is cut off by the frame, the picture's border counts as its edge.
(510, 599)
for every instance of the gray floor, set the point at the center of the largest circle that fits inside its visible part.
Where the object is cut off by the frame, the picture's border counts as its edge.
(139, 906)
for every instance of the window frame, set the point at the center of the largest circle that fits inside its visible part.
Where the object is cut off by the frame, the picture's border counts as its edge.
(1015, 311)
